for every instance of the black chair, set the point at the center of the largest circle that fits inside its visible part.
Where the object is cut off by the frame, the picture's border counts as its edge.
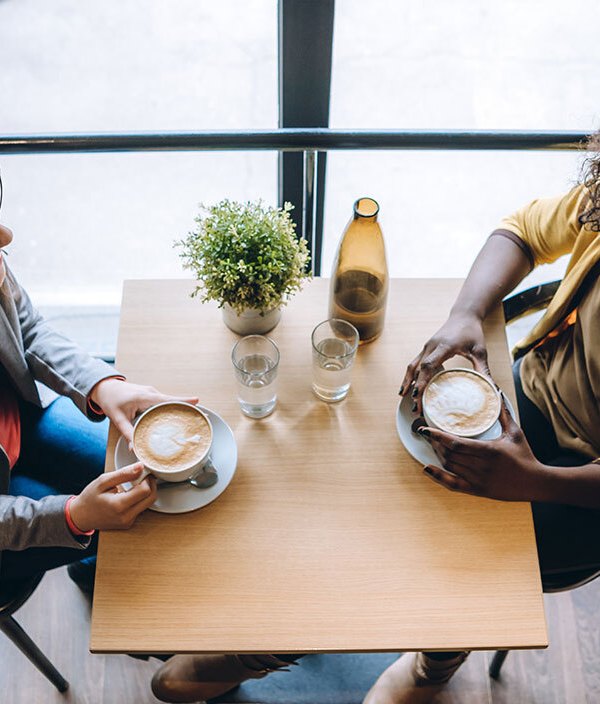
(515, 307)
(13, 595)
(556, 583)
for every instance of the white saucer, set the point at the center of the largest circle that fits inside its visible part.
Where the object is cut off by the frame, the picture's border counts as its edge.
(420, 448)
(184, 497)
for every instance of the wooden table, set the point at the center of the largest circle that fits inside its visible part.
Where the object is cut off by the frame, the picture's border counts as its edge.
(329, 538)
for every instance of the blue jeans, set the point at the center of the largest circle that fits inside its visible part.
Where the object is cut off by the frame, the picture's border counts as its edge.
(61, 452)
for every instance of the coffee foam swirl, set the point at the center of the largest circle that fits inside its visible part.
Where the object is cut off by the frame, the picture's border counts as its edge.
(170, 440)
(461, 402)
(172, 437)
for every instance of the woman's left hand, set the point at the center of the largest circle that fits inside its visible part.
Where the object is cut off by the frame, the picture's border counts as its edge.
(504, 468)
(122, 401)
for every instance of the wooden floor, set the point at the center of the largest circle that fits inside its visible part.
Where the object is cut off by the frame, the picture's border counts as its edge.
(57, 618)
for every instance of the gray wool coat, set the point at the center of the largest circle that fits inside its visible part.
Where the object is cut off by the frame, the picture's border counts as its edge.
(41, 364)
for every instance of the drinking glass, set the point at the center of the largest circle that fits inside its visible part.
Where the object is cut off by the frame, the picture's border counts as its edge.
(334, 344)
(255, 360)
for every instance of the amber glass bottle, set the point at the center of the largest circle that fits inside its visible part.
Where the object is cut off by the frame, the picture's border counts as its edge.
(359, 282)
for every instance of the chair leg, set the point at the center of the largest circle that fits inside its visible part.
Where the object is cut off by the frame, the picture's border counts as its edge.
(11, 628)
(497, 662)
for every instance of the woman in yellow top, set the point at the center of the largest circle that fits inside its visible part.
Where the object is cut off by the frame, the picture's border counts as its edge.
(552, 460)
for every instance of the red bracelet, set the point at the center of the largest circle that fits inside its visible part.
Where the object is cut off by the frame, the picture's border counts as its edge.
(72, 527)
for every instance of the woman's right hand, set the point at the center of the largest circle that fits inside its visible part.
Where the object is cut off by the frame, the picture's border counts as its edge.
(102, 506)
(461, 334)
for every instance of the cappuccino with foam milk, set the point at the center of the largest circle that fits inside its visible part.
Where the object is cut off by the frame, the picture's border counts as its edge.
(461, 401)
(172, 437)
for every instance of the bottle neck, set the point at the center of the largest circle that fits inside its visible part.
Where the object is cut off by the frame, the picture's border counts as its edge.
(367, 220)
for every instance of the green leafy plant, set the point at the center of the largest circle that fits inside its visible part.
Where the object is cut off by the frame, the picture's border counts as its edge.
(245, 254)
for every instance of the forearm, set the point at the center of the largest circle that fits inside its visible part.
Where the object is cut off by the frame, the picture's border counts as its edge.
(26, 523)
(499, 267)
(574, 486)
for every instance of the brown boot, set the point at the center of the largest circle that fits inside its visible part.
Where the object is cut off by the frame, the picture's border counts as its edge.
(414, 678)
(189, 678)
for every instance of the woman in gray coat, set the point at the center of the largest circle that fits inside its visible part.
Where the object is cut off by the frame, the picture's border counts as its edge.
(54, 399)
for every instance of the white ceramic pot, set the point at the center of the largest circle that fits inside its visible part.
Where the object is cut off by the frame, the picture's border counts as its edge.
(250, 322)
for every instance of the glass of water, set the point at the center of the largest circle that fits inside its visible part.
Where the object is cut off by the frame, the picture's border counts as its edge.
(334, 344)
(255, 360)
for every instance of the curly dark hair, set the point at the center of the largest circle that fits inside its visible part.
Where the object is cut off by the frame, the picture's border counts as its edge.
(590, 178)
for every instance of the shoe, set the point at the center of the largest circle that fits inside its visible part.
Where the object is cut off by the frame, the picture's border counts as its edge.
(83, 574)
(414, 678)
(188, 678)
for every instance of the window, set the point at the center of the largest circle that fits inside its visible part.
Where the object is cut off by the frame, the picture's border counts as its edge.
(85, 222)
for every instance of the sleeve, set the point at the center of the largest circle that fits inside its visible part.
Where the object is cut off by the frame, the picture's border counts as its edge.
(548, 226)
(26, 523)
(55, 360)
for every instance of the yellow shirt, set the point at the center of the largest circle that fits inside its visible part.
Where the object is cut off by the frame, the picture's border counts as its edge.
(550, 228)
(561, 375)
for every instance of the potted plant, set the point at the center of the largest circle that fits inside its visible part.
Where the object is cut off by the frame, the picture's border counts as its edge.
(247, 257)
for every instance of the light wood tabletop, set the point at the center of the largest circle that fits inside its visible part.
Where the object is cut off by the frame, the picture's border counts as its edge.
(329, 538)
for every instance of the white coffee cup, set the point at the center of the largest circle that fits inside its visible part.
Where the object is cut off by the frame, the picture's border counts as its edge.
(461, 401)
(161, 442)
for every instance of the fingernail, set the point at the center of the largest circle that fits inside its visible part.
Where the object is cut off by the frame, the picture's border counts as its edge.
(414, 407)
(415, 392)
(401, 391)
(423, 431)
(427, 470)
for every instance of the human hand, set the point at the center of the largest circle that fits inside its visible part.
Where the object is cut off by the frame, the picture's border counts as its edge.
(504, 468)
(102, 506)
(122, 401)
(461, 334)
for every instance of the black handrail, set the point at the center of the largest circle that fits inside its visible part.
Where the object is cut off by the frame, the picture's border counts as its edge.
(311, 141)
(315, 139)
